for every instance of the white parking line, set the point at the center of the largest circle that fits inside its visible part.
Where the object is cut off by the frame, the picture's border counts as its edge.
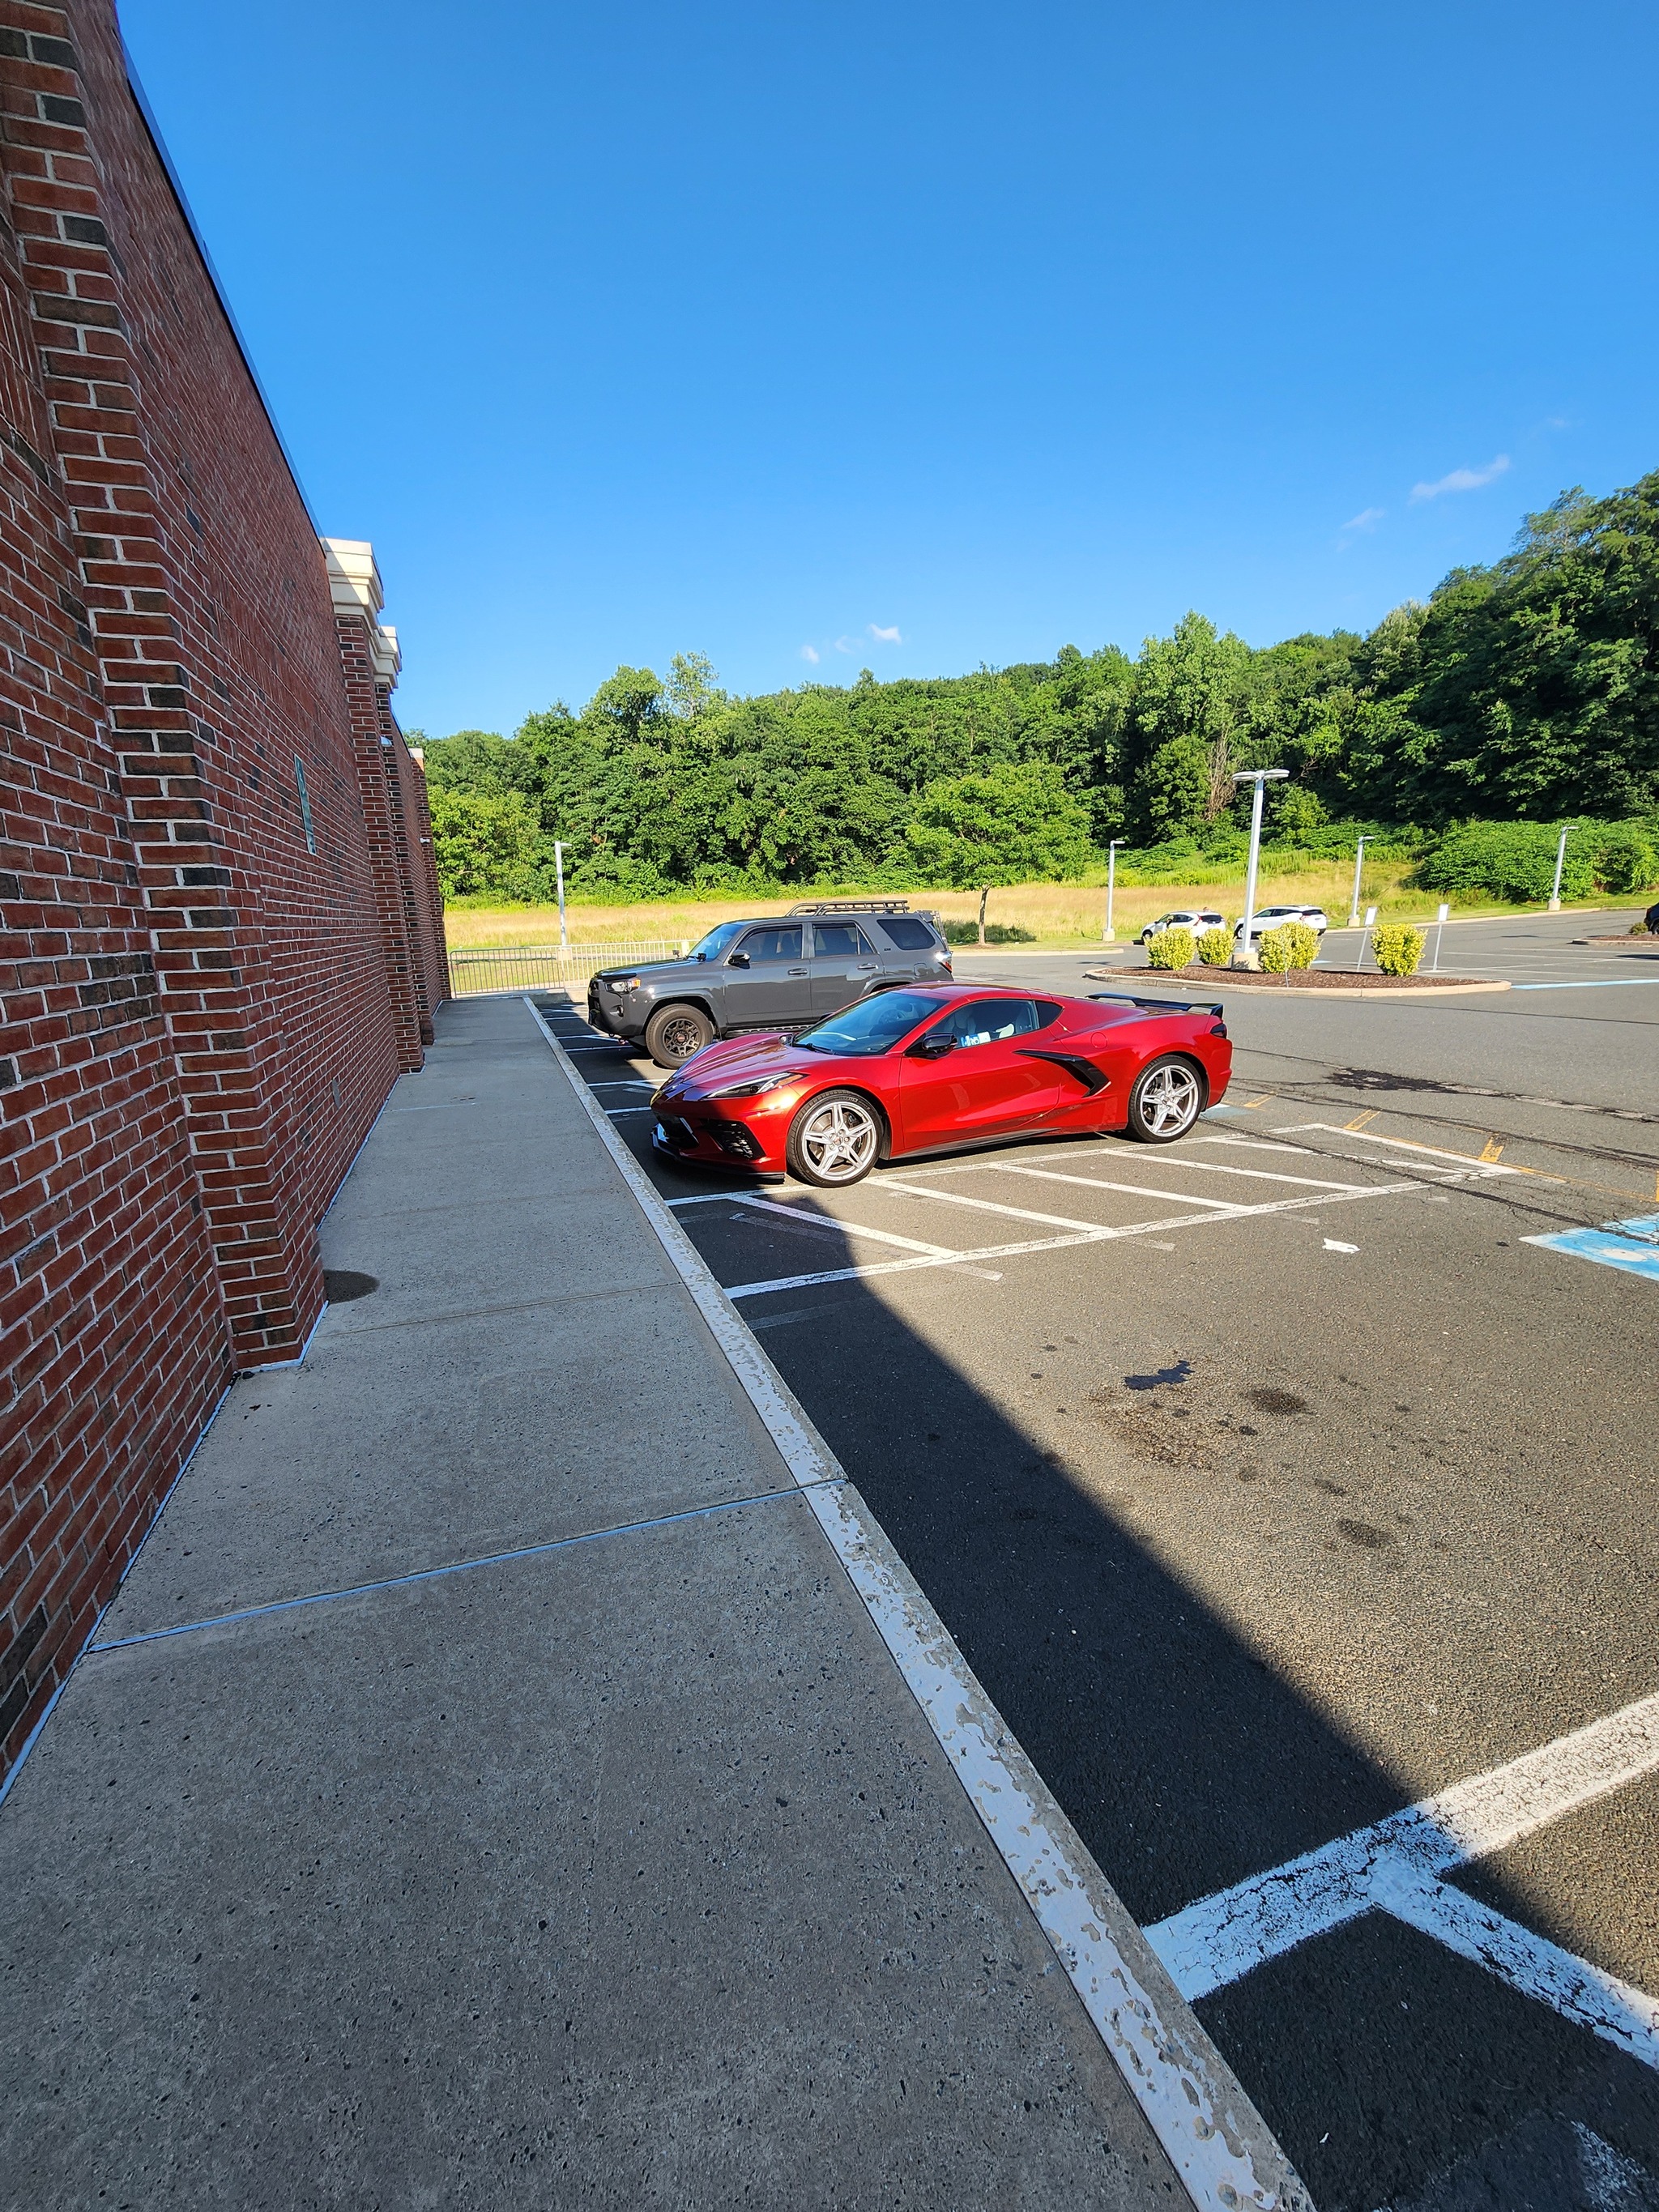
(839, 1228)
(990, 1204)
(1621, 2015)
(1083, 1234)
(1405, 1145)
(1262, 1174)
(831, 1225)
(1394, 1866)
(1131, 1189)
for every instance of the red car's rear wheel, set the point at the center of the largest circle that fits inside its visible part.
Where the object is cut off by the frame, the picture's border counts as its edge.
(1168, 1098)
(834, 1140)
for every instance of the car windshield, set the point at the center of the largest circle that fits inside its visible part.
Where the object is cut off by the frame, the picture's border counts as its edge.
(872, 1025)
(708, 948)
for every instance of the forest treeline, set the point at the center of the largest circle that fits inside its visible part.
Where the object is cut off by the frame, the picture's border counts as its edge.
(1522, 693)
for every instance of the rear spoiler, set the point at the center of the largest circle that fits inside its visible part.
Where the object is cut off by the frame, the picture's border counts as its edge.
(1165, 1005)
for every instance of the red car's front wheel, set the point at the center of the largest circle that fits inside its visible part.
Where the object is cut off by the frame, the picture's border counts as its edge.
(836, 1139)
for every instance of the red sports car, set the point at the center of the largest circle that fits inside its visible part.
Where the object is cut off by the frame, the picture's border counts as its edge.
(941, 1066)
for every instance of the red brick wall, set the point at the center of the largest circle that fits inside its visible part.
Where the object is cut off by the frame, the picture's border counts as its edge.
(202, 1014)
(427, 902)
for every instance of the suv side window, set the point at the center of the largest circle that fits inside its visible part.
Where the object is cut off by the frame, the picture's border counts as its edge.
(907, 933)
(772, 943)
(842, 941)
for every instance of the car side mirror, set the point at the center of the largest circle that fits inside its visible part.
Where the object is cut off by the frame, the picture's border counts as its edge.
(738, 960)
(702, 955)
(932, 1047)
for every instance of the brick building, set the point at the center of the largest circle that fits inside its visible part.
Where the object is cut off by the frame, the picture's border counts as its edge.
(220, 936)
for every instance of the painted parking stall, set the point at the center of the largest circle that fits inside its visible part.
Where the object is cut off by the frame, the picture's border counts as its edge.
(1166, 1198)
(1129, 1414)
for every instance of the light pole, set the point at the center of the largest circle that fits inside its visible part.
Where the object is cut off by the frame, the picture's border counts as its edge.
(1353, 903)
(1560, 861)
(1108, 934)
(558, 871)
(1245, 957)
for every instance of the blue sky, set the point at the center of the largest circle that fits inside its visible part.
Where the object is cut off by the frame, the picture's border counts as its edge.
(916, 336)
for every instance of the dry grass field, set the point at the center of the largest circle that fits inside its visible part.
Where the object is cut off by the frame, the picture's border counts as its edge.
(1055, 913)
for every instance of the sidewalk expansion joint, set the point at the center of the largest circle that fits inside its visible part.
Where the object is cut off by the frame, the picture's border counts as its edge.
(454, 1567)
(518, 1305)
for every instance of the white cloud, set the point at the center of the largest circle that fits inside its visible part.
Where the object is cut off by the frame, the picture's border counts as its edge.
(847, 645)
(887, 636)
(1463, 479)
(1367, 519)
(810, 653)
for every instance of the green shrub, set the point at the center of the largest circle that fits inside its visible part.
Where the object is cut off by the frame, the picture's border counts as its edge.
(1626, 860)
(1511, 860)
(1272, 951)
(1171, 948)
(1302, 942)
(996, 933)
(1215, 948)
(1398, 947)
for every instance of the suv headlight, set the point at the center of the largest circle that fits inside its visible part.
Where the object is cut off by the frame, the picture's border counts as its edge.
(621, 983)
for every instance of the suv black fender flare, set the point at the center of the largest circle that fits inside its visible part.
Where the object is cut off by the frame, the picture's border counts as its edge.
(684, 998)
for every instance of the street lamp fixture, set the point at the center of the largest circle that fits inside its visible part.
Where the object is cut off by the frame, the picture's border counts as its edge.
(1259, 777)
(1353, 903)
(1108, 934)
(1560, 862)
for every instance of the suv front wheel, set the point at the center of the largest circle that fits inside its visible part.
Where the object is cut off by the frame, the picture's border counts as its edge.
(674, 1033)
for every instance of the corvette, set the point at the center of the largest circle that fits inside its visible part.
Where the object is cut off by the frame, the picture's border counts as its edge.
(939, 1068)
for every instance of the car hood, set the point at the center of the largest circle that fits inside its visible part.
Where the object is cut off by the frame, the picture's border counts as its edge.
(651, 967)
(736, 1060)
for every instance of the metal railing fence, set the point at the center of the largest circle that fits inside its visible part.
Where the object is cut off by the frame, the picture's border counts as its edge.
(528, 967)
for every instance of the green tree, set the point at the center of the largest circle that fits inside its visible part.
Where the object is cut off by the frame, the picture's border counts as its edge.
(1192, 693)
(1013, 825)
(485, 843)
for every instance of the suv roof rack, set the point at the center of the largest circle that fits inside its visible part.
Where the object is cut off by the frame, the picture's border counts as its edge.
(852, 906)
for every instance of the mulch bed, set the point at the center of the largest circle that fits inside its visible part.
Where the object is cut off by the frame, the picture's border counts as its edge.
(1641, 941)
(1305, 979)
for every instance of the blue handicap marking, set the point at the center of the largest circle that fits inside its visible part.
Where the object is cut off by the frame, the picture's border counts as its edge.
(1632, 1246)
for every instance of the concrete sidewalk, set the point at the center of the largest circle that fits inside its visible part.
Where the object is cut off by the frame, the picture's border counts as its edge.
(625, 1871)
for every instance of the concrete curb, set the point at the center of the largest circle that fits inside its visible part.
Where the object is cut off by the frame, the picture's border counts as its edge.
(1298, 991)
(1223, 2150)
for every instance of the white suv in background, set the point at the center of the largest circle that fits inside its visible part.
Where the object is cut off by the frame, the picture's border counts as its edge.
(1197, 919)
(1270, 917)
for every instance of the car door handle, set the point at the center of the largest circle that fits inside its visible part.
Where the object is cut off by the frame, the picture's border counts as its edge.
(800, 971)
(864, 968)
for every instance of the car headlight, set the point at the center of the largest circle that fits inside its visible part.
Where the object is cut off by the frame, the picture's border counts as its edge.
(620, 983)
(756, 1089)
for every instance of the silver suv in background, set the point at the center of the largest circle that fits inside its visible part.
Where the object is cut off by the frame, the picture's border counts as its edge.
(780, 971)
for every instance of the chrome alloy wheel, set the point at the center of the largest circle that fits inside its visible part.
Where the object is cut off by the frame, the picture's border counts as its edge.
(1169, 1099)
(839, 1140)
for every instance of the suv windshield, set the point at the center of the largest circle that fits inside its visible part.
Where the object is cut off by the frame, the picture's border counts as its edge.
(706, 948)
(872, 1025)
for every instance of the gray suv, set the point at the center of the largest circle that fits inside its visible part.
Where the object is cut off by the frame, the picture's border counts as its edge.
(784, 972)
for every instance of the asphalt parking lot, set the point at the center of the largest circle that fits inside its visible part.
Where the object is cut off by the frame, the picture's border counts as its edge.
(1279, 1481)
